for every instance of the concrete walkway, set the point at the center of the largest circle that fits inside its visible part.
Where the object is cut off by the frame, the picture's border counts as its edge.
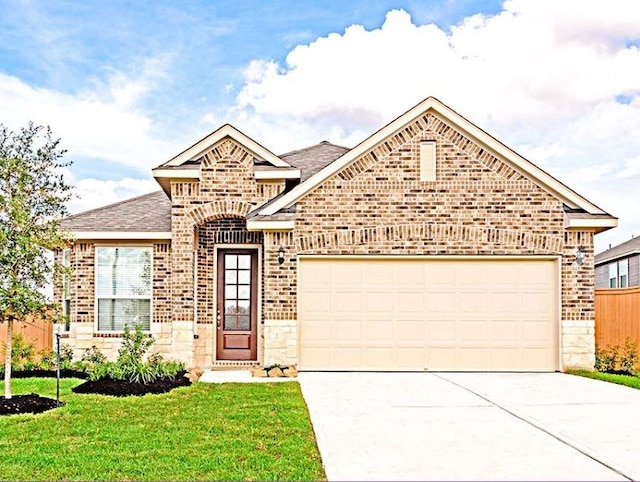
(473, 426)
(238, 376)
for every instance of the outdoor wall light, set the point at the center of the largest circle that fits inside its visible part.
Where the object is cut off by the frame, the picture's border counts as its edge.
(580, 255)
(280, 255)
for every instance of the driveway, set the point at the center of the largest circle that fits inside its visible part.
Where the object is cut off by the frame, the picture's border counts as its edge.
(473, 426)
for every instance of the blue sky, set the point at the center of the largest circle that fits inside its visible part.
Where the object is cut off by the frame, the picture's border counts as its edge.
(127, 85)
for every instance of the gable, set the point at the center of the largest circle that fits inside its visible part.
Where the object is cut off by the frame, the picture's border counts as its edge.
(444, 124)
(187, 165)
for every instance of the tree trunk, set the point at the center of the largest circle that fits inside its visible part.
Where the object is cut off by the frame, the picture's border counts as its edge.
(7, 361)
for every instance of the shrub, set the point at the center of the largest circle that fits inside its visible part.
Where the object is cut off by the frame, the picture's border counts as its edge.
(66, 357)
(618, 360)
(131, 364)
(93, 356)
(47, 359)
(22, 353)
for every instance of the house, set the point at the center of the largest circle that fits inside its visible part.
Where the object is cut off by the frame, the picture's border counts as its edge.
(619, 267)
(428, 246)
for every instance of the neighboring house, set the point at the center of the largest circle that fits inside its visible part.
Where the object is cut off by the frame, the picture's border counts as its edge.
(428, 246)
(619, 267)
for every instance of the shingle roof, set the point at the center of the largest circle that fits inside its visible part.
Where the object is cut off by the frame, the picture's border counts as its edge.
(311, 159)
(147, 213)
(624, 249)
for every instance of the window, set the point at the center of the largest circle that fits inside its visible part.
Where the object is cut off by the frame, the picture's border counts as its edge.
(623, 273)
(123, 287)
(613, 275)
(66, 288)
(619, 274)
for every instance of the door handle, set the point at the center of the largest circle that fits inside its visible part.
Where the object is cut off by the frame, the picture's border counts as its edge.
(219, 319)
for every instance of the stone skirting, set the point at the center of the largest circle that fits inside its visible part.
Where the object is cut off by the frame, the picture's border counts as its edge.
(578, 344)
(280, 342)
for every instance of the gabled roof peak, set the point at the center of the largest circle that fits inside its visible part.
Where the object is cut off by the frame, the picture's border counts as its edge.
(226, 130)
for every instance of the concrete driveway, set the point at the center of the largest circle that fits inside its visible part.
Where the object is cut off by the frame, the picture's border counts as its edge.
(473, 426)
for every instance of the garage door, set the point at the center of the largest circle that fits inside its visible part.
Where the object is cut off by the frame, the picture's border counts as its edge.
(412, 313)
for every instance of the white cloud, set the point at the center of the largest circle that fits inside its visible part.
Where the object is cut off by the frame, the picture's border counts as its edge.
(104, 123)
(543, 76)
(93, 193)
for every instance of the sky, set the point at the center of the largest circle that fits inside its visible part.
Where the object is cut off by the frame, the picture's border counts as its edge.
(127, 85)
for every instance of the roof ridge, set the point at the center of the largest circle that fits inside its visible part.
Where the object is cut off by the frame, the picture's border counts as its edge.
(118, 203)
(295, 151)
(634, 240)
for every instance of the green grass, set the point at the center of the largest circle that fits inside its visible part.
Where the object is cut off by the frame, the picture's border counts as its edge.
(252, 431)
(627, 380)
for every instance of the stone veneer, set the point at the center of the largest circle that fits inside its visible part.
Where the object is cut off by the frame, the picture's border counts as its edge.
(478, 205)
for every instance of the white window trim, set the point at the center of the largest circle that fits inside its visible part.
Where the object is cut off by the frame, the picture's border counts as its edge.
(623, 262)
(613, 276)
(96, 329)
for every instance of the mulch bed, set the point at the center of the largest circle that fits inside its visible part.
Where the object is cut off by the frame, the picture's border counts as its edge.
(46, 374)
(123, 388)
(31, 403)
(34, 403)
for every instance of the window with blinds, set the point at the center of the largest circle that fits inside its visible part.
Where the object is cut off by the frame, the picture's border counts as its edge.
(123, 287)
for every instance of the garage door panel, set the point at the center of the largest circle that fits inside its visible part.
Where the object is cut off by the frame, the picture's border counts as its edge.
(441, 302)
(475, 274)
(441, 331)
(315, 331)
(505, 331)
(409, 302)
(347, 301)
(416, 314)
(472, 331)
(535, 331)
(377, 302)
(472, 358)
(345, 330)
(315, 302)
(408, 330)
(381, 330)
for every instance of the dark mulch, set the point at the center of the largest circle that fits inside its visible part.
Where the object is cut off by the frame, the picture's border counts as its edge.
(123, 388)
(45, 374)
(31, 403)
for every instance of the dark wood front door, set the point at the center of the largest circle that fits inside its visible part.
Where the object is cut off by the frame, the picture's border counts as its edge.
(237, 304)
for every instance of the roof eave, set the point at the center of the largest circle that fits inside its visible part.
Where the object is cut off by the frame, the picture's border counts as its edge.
(120, 235)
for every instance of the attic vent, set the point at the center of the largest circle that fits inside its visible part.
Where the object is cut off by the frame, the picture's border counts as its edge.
(428, 161)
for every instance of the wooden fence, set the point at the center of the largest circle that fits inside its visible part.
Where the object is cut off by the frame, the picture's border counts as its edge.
(617, 316)
(40, 333)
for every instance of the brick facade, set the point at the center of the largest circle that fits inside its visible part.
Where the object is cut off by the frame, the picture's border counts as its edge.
(478, 205)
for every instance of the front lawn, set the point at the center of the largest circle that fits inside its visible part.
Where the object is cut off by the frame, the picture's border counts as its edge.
(627, 380)
(257, 431)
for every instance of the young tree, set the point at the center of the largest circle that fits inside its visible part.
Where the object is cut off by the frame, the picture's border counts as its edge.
(33, 195)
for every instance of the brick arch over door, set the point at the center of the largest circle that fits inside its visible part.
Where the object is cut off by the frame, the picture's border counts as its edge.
(213, 232)
(477, 238)
(219, 209)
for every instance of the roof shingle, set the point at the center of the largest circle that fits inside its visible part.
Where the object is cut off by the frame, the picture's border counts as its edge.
(311, 159)
(624, 249)
(147, 213)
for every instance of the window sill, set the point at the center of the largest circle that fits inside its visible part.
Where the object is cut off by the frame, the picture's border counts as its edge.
(115, 335)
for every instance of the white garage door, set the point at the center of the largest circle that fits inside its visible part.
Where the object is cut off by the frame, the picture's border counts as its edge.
(395, 313)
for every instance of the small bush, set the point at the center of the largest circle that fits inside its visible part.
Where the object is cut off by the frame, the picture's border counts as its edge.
(618, 360)
(93, 356)
(131, 364)
(47, 359)
(22, 353)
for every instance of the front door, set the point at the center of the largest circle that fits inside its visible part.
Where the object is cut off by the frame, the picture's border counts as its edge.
(237, 304)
